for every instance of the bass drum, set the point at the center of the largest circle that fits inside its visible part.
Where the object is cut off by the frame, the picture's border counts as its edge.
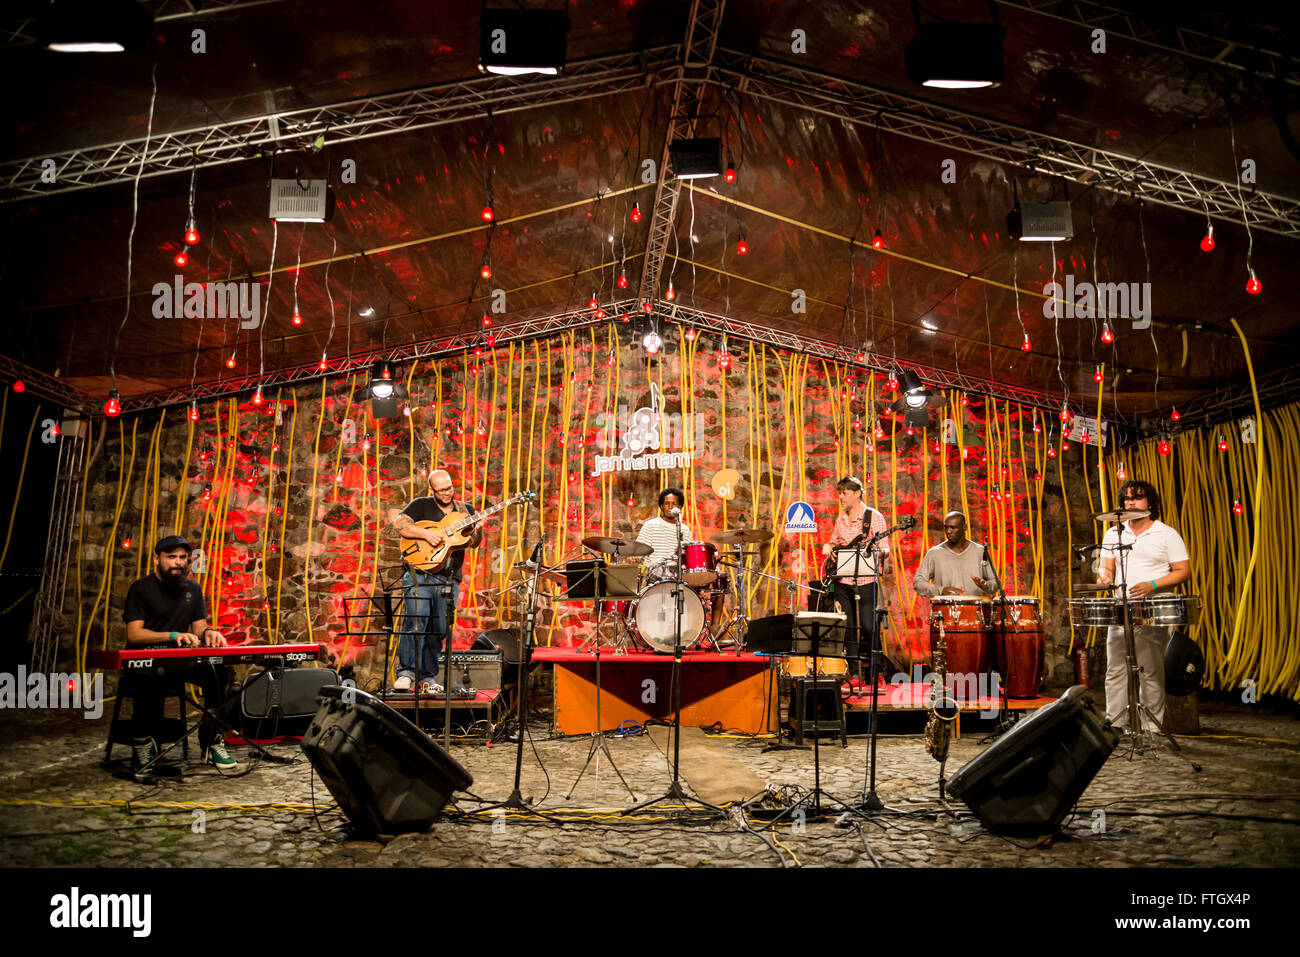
(655, 614)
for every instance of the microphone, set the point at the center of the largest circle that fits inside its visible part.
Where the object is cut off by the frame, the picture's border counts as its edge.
(537, 552)
(1081, 550)
(675, 512)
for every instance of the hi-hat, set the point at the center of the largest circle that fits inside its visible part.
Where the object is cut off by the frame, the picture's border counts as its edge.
(1121, 514)
(617, 546)
(739, 536)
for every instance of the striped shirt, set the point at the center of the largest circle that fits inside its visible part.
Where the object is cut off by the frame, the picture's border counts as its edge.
(662, 537)
(847, 529)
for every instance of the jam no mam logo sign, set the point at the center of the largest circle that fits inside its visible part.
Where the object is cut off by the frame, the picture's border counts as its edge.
(645, 444)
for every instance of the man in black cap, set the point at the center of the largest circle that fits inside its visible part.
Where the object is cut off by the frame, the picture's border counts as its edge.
(165, 610)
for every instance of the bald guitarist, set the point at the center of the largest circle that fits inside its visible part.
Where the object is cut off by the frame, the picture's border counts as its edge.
(430, 596)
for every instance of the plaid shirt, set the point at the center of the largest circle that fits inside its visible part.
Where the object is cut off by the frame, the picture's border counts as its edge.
(847, 529)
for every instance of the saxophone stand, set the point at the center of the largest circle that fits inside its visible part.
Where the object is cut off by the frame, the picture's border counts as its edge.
(598, 743)
(944, 711)
(675, 791)
(1006, 721)
(527, 629)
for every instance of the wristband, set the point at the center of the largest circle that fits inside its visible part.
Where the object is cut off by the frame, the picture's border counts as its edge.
(1154, 587)
(172, 638)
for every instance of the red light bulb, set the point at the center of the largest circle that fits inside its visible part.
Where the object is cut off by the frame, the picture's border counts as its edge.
(1097, 376)
(275, 446)
(486, 271)
(742, 247)
(1120, 473)
(491, 342)
(591, 303)
(965, 401)
(690, 334)
(892, 384)
(1174, 415)
(297, 318)
(1223, 444)
(724, 359)
(878, 241)
(20, 385)
(1065, 415)
(1051, 451)
(1253, 285)
(487, 320)
(910, 431)
(385, 373)
(647, 308)
(126, 543)
(860, 357)
(730, 174)
(55, 431)
(194, 412)
(191, 233)
(1163, 447)
(487, 214)
(630, 501)
(1237, 507)
(1207, 241)
(1106, 334)
(635, 215)
(1037, 428)
(112, 407)
(1026, 346)
(257, 396)
(181, 259)
(207, 492)
(323, 364)
(230, 363)
(622, 281)
(610, 360)
(670, 294)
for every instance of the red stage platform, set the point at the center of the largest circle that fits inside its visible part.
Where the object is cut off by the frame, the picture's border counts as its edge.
(736, 691)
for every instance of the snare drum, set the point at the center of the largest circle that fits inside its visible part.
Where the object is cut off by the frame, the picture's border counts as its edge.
(1096, 612)
(965, 630)
(655, 614)
(661, 571)
(1168, 610)
(699, 563)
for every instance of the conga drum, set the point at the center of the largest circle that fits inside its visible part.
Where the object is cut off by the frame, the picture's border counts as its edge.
(964, 629)
(1020, 651)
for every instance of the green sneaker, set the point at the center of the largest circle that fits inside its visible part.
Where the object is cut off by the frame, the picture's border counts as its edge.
(219, 756)
(143, 752)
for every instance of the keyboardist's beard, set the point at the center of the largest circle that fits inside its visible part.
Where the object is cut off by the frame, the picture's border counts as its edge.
(174, 576)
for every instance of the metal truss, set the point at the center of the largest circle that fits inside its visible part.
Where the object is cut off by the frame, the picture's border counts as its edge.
(1214, 51)
(702, 27)
(47, 610)
(1223, 405)
(835, 352)
(917, 119)
(162, 10)
(361, 361)
(342, 122)
(44, 385)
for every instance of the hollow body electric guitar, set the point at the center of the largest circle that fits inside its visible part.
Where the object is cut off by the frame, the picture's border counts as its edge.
(456, 529)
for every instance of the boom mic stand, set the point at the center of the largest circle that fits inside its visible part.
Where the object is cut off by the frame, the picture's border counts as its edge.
(675, 791)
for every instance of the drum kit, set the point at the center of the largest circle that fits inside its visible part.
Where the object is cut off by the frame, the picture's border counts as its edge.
(648, 621)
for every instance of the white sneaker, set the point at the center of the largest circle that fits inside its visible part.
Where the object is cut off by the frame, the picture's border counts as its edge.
(403, 683)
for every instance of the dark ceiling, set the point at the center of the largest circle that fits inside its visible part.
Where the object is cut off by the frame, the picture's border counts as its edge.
(941, 293)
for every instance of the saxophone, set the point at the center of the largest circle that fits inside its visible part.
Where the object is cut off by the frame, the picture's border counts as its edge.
(943, 709)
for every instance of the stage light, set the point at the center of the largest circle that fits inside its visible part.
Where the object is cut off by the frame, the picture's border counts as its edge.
(181, 259)
(696, 158)
(93, 26)
(381, 381)
(1207, 241)
(908, 381)
(1041, 222)
(955, 56)
(1253, 285)
(112, 407)
(520, 42)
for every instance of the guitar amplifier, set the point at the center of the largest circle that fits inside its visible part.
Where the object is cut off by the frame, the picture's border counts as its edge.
(484, 668)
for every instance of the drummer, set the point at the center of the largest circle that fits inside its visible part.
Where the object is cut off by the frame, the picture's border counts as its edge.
(1156, 561)
(661, 533)
(956, 566)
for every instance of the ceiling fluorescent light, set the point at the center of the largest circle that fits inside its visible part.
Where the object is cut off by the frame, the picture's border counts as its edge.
(94, 26)
(955, 56)
(695, 159)
(517, 42)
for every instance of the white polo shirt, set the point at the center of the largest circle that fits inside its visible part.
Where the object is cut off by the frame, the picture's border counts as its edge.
(1154, 552)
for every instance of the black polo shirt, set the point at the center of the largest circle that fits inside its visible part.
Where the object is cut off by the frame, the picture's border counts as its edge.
(164, 608)
(427, 509)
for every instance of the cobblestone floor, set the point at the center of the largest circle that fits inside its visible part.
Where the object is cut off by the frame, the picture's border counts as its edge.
(59, 805)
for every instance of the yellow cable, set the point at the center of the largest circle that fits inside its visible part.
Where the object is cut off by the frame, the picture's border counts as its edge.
(1258, 496)
(22, 473)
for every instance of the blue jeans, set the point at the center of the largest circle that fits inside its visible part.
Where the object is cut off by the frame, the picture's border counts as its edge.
(427, 619)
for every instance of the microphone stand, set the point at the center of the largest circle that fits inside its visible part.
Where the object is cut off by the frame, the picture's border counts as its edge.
(999, 642)
(675, 791)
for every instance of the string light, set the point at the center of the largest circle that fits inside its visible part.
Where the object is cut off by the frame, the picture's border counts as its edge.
(622, 280)
(20, 385)
(1106, 335)
(126, 543)
(1207, 241)
(646, 307)
(1253, 285)
(742, 247)
(1097, 376)
(724, 358)
(730, 174)
(297, 318)
(1026, 346)
(635, 215)
(878, 241)
(191, 232)
(230, 363)
(1237, 507)
(1051, 451)
(1163, 446)
(1065, 415)
(690, 334)
(591, 303)
(181, 259)
(611, 359)
(860, 357)
(1174, 415)
(965, 401)
(1223, 444)
(491, 342)
(323, 364)
(892, 384)
(485, 270)
(207, 492)
(55, 431)
(600, 313)
(1120, 473)
(112, 407)
(670, 294)
(630, 500)
(488, 213)
(487, 320)
(257, 396)
(1037, 428)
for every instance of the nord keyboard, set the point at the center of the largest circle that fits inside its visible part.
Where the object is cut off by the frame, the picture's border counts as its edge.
(167, 659)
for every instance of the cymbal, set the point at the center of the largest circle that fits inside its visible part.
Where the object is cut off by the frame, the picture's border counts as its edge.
(1094, 588)
(617, 546)
(1121, 514)
(737, 536)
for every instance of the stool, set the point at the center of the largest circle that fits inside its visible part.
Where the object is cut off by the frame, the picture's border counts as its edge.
(818, 707)
(121, 734)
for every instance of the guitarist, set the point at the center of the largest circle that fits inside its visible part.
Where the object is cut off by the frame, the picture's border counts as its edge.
(856, 522)
(430, 597)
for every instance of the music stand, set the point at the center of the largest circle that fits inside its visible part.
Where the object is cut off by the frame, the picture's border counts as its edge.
(599, 588)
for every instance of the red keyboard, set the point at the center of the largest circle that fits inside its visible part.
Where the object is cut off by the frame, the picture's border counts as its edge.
(165, 659)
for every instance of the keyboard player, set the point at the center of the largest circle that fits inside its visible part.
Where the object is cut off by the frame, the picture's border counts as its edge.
(165, 609)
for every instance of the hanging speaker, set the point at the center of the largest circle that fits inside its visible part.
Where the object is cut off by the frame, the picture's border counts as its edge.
(1030, 778)
(388, 776)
